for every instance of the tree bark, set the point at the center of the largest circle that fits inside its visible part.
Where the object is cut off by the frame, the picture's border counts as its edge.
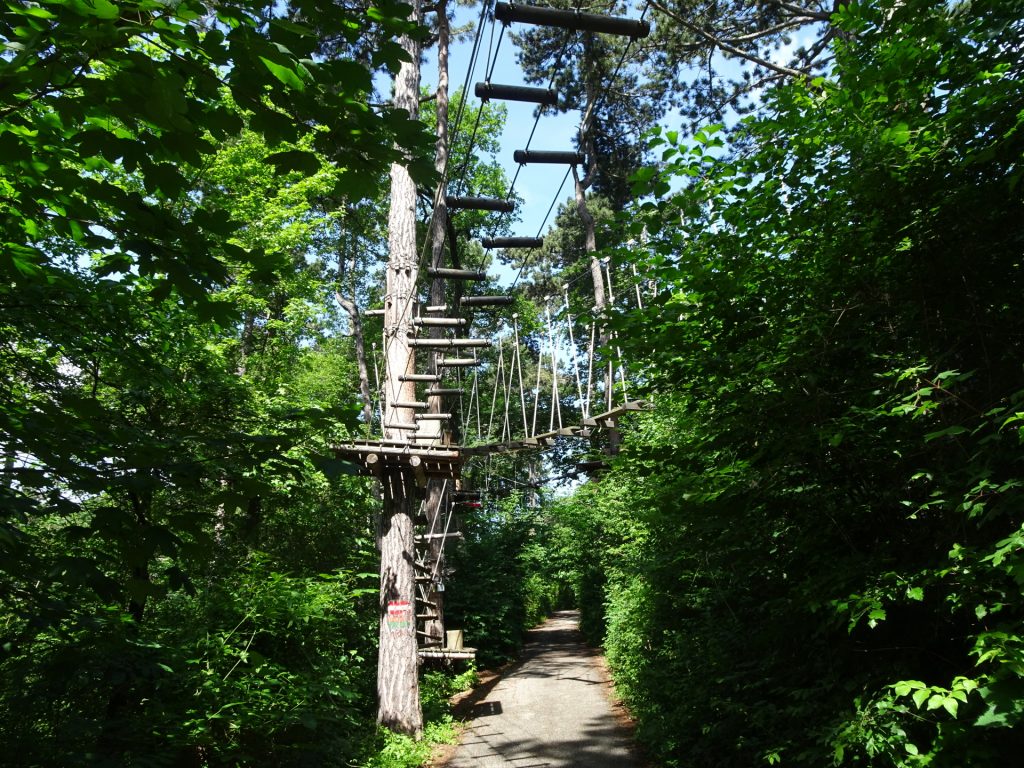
(397, 666)
(434, 503)
(359, 343)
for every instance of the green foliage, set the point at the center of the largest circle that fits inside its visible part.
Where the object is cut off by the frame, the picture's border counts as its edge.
(815, 536)
(178, 575)
(502, 585)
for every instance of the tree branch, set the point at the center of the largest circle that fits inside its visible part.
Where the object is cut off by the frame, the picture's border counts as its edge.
(723, 45)
(805, 12)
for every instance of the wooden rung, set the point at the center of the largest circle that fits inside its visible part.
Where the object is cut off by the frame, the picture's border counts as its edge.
(480, 204)
(408, 427)
(570, 19)
(427, 616)
(449, 343)
(445, 322)
(432, 536)
(570, 431)
(373, 313)
(512, 242)
(433, 417)
(457, 362)
(419, 377)
(408, 404)
(523, 156)
(443, 391)
(436, 308)
(544, 96)
(456, 274)
(486, 301)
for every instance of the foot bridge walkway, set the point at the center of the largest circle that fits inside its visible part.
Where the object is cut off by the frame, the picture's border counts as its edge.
(552, 710)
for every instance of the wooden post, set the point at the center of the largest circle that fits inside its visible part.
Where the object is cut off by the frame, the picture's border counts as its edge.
(435, 503)
(398, 695)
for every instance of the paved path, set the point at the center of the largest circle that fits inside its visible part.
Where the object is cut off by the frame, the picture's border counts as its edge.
(550, 711)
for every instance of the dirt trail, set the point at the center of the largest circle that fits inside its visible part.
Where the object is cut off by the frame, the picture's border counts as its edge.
(551, 710)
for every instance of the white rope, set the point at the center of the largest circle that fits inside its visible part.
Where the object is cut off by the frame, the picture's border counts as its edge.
(499, 375)
(636, 284)
(613, 335)
(555, 400)
(519, 370)
(572, 351)
(590, 370)
(536, 392)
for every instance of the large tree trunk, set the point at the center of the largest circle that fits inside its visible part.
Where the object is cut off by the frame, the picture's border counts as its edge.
(397, 673)
(434, 505)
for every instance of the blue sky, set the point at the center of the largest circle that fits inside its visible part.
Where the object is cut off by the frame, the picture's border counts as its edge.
(536, 183)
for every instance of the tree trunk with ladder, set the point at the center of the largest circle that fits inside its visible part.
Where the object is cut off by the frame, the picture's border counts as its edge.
(398, 696)
(434, 505)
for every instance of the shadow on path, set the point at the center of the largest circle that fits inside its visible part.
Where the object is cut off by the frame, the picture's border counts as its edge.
(550, 710)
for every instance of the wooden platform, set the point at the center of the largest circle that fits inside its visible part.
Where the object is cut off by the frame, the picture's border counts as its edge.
(443, 653)
(425, 460)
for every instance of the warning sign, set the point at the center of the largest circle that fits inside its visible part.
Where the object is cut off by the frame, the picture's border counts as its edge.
(399, 615)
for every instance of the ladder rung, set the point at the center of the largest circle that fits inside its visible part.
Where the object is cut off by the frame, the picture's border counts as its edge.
(419, 377)
(428, 616)
(480, 204)
(436, 308)
(456, 274)
(457, 362)
(440, 321)
(443, 391)
(570, 19)
(486, 301)
(373, 313)
(545, 96)
(512, 242)
(449, 343)
(523, 156)
(430, 536)
(408, 404)
(408, 427)
(433, 416)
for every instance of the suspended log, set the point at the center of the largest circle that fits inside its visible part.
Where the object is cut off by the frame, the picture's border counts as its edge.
(409, 427)
(449, 322)
(456, 274)
(544, 96)
(419, 377)
(443, 391)
(486, 301)
(433, 417)
(457, 362)
(409, 404)
(435, 308)
(373, 313)
(479, 204)
(512, 242)
(449, 343)
(567, 19)
(522, 156)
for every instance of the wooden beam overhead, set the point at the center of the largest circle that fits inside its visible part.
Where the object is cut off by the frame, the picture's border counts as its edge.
(570, 19)
(523, 156)
(544, 96)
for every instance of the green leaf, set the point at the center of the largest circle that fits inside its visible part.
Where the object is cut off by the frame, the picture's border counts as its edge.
(295, 160)
(921, 696)
(285, 74)
(897, 134)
